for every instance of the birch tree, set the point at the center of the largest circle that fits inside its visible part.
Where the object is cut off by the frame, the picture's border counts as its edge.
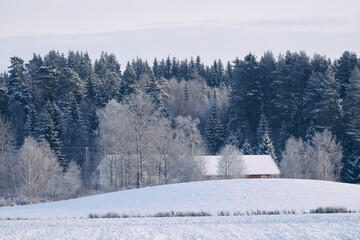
(37, 167)
(325, 156)
(293, 164)
(230, 164)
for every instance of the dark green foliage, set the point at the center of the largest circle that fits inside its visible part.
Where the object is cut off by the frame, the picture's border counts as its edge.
(19, 97)
(46, 79)
(344, 68)
(322, 102)
(128, 84)
(214, 129)
(154, 90)
(56, 97)
(51, 136)
(244, 103)
(351, 126)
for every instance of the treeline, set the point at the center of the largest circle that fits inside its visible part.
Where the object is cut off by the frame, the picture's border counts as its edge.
(253, 104)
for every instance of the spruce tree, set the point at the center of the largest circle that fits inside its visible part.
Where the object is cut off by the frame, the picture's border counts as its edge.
(266, 147)
(19, 97)
(168, 67)
(344, 68)
(47, 80)
(51, 136)
(263, 128)
(246, 148)
(321, 102)
(244, 100)
(128, 84)
(214, 128)
(155, 92)
(351, 138)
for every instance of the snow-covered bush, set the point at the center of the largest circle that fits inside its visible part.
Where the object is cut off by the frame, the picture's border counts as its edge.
(65, 186)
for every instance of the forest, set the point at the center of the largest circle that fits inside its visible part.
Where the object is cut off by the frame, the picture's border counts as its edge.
(72, 126)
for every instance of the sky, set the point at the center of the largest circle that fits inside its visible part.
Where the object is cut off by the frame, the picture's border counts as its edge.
(178, 28)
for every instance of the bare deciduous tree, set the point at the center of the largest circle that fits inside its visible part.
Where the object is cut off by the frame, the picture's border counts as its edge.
(293, 164)
(320, 159)
(66, 185)
(37, 167)
(325, 156)
(142, 148)
(230, 164)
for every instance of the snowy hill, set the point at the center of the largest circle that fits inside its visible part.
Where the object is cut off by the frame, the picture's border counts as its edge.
(209, 196)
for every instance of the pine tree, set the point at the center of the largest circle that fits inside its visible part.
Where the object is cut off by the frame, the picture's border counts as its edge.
(351, 138)
(128, 84)
(19, 97)
(175, 68)
(51, 136)
(47, 81)
(344, 68)
(214, 128)
(154, 90)
(244, 99)
(351, 107)
(168, 67)
(321, 102)
(33, 66)
(156, 69)
(267, 66)
(69, 84)
(56, 60)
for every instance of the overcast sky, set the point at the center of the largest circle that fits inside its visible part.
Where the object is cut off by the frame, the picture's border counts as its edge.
(181, 28)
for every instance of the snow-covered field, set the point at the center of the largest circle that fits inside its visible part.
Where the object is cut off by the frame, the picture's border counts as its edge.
(309, 226)
(69, 219)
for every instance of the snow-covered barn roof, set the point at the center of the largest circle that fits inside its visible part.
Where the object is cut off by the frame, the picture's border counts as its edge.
(252, 164)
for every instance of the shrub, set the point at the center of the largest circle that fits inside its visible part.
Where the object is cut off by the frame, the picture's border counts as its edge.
(330, 210)
(223, 213)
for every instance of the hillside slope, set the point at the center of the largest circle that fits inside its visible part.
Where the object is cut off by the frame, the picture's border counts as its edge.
(210, 196)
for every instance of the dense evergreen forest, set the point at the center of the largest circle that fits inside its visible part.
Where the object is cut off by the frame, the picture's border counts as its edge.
(254, 103)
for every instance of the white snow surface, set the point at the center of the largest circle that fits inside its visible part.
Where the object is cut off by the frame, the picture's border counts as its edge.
(238, 195)
(302, 226)
(69, 219)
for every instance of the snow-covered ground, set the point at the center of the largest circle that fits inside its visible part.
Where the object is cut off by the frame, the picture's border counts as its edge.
(302, 226)
(69, 219)
(209, 196)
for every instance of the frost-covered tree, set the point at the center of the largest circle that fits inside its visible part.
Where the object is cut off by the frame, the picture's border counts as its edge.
(246, 148)
(324, 156)
(230, 163)
(266, 147)
(37, 168)
(19, 97)
(66, 185)
(188, 144)
(319, 159)
(293, 164)
(142, 148)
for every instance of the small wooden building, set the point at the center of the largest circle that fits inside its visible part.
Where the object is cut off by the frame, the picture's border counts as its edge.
(254, 166)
